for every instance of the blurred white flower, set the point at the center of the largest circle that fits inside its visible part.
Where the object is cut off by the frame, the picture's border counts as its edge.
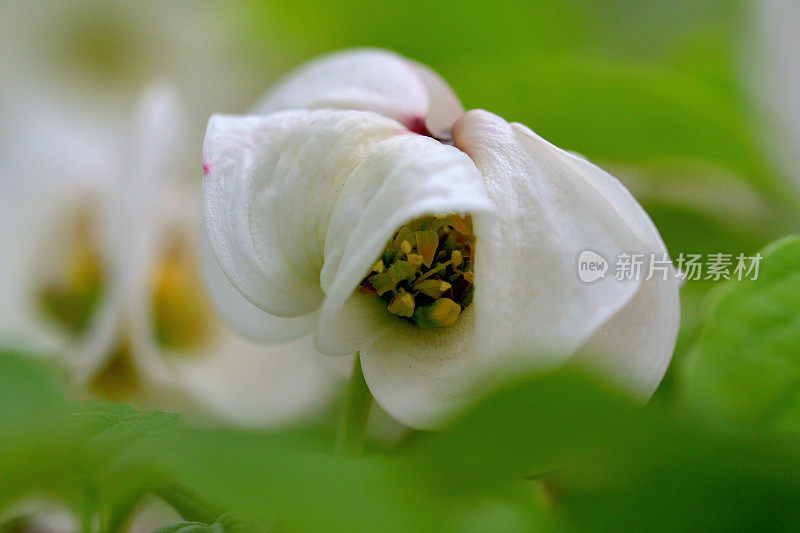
(772, 73)
(99, 238)
(96, 55)
(67, 60)
(362, 201)
(46, 515)
(38, 515)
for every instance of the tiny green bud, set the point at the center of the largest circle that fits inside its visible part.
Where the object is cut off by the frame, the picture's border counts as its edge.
(456, 257)
(427, 243)
(469, 276)
(378, 266)
(402, 304)
(401, 270)
(431, 287)
(405, 247)
(441, 313)
(414, 259)
(403, 234)
(459, 224)
(382, 282)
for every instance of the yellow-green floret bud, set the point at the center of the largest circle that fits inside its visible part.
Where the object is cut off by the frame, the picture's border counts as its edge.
(402, 304)
(414, 259)
(441, 313)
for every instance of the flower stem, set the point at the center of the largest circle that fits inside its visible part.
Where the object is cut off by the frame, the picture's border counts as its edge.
(191, 507)
(353, 424)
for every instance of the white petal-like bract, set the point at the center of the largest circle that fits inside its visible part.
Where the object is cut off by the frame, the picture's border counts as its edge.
(368, 80)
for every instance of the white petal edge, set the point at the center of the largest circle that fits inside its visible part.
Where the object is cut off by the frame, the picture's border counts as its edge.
(444, 107)
(260, 170)
(258, 386)
(418, 376)
(368, 80)
(532, 310)
(634, 348)
(244, 317)
(639, 340)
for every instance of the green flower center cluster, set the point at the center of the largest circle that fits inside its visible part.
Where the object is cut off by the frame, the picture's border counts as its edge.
(425, 274)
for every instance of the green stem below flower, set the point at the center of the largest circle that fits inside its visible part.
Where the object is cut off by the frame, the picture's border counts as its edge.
(191, 507)
(353, 424)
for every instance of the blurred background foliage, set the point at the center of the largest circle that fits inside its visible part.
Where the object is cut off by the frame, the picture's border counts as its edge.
(660, 93)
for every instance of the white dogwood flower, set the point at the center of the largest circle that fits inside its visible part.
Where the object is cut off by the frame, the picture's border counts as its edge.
(47, 514)
(771, 38)
(99, 241)
(361, 201)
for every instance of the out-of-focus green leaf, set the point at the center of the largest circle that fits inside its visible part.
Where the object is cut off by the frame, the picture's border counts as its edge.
(630, 113)
(663, 30)
(31, 407)
(609, 464)
(49, 445)
(100, 458)
(434, 32)
(288, 480)
(683, 196)
(551, 452)
(745, 366)
(27, 389)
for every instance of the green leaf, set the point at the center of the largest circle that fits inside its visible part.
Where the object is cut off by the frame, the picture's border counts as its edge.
(53, 446)
(548, 452)
(744, 369)
(611, 110)
(604, 461)
(430, 31)
(27, 387)
(289, 479)
(100, 458)
(192, 527)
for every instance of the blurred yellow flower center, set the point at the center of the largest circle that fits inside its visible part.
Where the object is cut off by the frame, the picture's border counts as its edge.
(118, 379)
(181, 314)
(75, 277)
(99, 42)
(74, 283)
(425, 274)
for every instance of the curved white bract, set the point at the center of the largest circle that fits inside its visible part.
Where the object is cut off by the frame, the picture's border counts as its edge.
(368, 80)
